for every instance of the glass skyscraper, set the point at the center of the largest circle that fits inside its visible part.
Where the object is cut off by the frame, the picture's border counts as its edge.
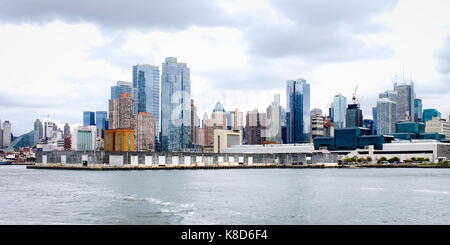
(375, 123)
(146, 85)
(339, 110)
(101, 118)
(298, 97)
(121, 88)
(88, 118)
(354, 116)
(418, 110)
(175, 105)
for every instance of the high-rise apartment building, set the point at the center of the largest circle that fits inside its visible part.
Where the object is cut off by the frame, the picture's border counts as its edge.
(6, 134)
(175, 105)
(317, 123)
(273, 127)
(298, 120)
(145, 132)
(146, 85)
(121, 112)
(339, 110)
(386, 116)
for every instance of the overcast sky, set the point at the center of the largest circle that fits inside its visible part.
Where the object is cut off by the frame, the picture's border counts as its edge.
(60, 58)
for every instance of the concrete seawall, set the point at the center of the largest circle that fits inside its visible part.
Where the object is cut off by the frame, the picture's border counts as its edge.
(181, 158)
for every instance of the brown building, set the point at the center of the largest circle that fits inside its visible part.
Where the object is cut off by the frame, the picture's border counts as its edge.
(253, 128)
(145, 131)
(119, 140)
(121, 112)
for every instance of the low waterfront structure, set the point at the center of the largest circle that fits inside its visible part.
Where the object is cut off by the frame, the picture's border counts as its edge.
(271, 148)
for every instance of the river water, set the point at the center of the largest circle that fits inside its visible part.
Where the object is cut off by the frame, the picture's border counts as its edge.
(238, 196)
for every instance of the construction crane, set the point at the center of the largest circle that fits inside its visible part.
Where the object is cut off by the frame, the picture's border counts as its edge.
(355, 101)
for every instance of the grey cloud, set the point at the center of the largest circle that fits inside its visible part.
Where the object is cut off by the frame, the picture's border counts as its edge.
(443, 55)
(322, 30)
(115, 14)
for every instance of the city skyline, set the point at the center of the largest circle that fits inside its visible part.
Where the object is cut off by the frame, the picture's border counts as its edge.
(226, 60)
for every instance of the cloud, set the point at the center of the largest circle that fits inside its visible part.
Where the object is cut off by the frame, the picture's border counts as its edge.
(319, 31)
(115, 14)
(443, 56)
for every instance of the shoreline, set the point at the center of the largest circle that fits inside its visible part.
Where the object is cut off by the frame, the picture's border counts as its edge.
(104, 167)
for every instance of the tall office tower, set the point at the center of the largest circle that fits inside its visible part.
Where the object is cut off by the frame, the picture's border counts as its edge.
(145, 132)
(298, 96)
(121, 112)
(175, 105)
(66, 130)
(428, 114)
(235, 120)
(272, 125)
(49, 128)
(146, 84)
(386, 116)
(339, 109)
(317, 123)
(6, 134)
(217, 121)
(418, 110)
(375, 119)
(253, 128)
(88, 118)
(101, 122)
(405, 101)
(38, 131)
(354, 116)
(121, 88)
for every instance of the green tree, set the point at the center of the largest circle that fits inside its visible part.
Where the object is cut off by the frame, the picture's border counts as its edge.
(394, 159)
(382, 159)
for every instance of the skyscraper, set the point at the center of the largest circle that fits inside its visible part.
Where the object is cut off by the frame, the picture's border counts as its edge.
(101, 118)
(317, 123)
(121, 88)
(88, 118)
(354, 116)
(38, 131)
(121, 113)
(175, 105)
(386, 116)
(339, 110)
(418, 110)
(297, 111)
(6, 134)
(405, 101)
(146, 85)
(273, 127)
(145, 132)
(253, 128)
(375, 123)
(66, 130)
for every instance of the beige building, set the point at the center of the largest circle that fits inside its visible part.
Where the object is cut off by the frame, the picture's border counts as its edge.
(145, 131)
(226, 138)
(438, 125)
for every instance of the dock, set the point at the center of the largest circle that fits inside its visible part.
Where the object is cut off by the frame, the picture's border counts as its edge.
(106, 167)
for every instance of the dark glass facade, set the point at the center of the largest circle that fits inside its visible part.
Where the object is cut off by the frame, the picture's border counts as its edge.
(410, 127)
(354, 116)
(88, 118)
